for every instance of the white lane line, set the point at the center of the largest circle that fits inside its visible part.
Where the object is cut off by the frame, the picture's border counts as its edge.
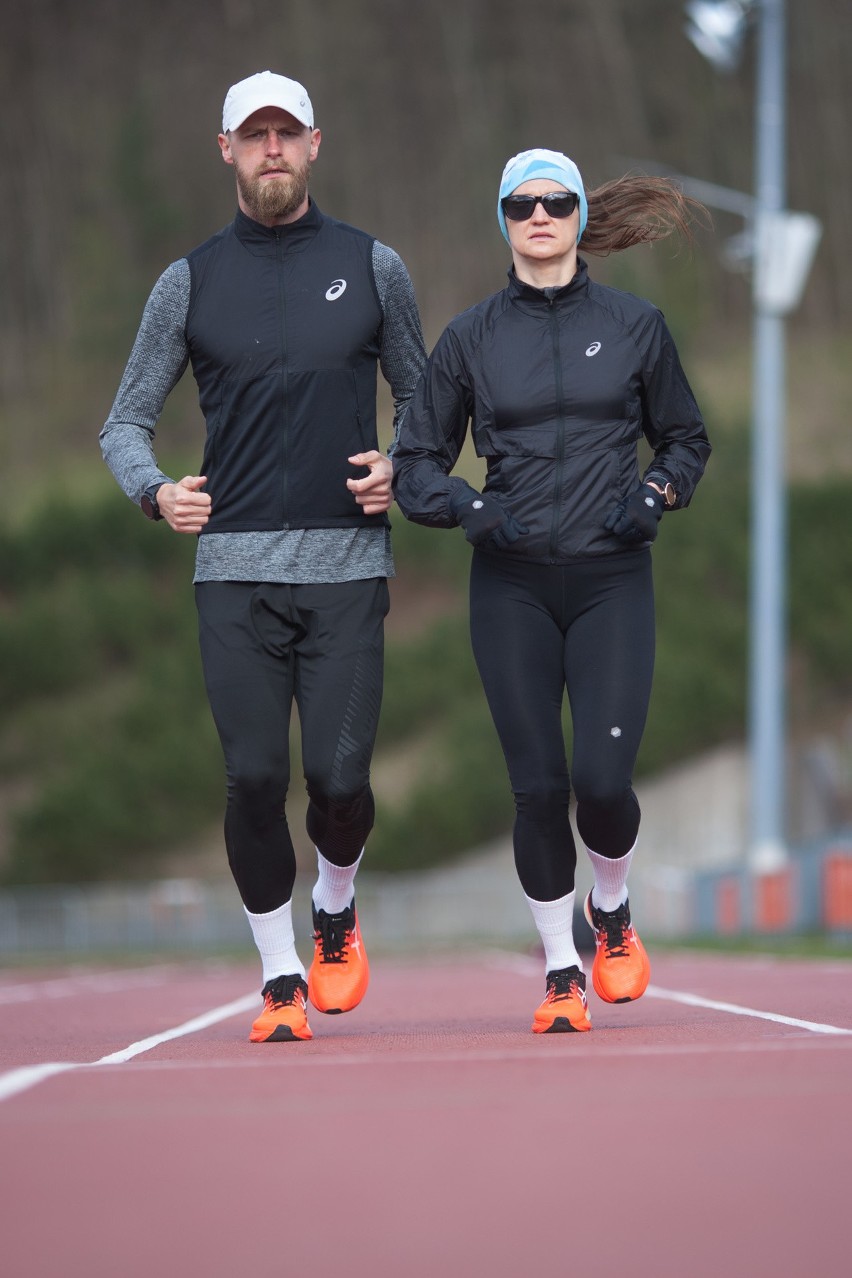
(522, 964)
(15, 1081)
(197, 1023)
(18, 1080)
(734, 1009)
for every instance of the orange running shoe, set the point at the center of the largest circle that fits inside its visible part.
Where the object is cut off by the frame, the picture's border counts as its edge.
(564, 1010)
(621, 969)
(340, 972)
(284, 1016)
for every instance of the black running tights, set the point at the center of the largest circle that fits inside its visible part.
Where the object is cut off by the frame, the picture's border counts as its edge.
(537, 630)
(264, 646)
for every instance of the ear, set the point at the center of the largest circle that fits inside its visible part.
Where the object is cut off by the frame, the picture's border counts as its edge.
(225, 148)
(316, 138)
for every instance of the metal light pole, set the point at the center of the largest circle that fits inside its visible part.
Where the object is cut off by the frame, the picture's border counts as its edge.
(781, 248)
(767, 699)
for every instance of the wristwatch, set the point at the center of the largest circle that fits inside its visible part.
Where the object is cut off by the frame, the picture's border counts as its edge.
(667, 493)
(148, 501)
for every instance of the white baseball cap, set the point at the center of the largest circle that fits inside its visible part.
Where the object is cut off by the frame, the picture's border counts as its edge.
(266, 89)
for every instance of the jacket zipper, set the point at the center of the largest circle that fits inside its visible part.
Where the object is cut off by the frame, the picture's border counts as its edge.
(279, 253)
(560, 431)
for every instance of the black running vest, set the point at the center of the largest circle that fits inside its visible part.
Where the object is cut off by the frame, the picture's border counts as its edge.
(284, 328)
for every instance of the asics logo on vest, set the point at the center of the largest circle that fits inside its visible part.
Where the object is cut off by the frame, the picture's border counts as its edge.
(335, 289)
(593, 349)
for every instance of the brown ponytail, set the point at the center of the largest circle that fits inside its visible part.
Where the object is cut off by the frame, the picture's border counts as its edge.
(637, 210)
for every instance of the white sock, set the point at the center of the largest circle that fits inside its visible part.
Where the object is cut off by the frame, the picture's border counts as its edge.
(333, 890)
(555, 923)
(273, 936)
(610, 888)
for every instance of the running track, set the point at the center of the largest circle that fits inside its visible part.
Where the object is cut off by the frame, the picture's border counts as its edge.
(703, 1130)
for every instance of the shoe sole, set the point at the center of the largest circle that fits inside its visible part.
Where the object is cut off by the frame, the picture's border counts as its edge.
(561, 1025)
(334, 1011)
(623, 998)
(282, 1034)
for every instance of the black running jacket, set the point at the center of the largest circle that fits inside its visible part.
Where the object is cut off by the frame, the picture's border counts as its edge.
(559, 389)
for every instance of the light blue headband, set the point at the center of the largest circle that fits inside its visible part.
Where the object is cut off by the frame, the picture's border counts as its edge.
(539, 163)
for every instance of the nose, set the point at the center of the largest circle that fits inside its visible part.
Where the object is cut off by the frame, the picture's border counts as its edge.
(273, 142)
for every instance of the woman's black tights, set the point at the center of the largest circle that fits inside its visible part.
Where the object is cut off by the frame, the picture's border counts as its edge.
(537, 630)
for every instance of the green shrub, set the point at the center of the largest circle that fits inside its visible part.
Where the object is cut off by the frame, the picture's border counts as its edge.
(461, 799)
(104, 532)
(820, 582)
(123, 798)
(426, 677)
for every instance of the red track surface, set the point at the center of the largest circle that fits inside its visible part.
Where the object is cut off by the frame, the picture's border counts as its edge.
(429, 1131)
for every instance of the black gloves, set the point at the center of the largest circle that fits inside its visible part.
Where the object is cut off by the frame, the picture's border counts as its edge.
(638, 516)
(488, 525)
(484, 520)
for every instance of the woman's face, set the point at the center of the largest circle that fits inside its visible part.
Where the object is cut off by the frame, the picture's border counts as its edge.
(543, 238)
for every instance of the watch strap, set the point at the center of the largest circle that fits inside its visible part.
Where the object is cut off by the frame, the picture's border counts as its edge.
(148, 502)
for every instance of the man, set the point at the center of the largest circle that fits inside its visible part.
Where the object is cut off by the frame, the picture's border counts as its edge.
(284, 316)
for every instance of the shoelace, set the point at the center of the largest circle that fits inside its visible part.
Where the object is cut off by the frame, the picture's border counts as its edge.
(282, 992)
(563, 984)
(333, 932)
(615, 925)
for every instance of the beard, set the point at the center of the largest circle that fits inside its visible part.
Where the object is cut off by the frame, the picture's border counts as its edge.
(270, 199)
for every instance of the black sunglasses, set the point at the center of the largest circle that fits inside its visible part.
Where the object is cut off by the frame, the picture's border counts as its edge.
(518, 208)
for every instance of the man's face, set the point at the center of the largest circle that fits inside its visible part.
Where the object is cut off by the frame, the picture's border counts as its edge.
(272, 154)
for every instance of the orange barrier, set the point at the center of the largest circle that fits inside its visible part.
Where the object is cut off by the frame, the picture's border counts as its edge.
(773, 901)
(837, 890)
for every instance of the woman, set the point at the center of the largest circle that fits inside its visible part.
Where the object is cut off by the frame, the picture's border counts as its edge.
(560, 378)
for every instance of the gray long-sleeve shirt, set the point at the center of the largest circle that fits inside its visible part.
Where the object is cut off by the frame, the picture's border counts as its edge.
(157, 362)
